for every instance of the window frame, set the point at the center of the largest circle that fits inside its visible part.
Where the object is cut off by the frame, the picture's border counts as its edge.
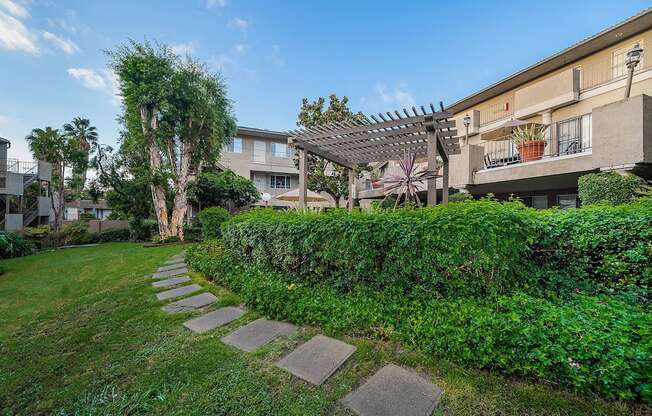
(275, 153)
(231, 148)
(287, 184)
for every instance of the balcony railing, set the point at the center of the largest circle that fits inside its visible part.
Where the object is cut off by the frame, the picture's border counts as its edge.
(564, 138)
(19, 166)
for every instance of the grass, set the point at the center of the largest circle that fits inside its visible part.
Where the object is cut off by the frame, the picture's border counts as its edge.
(82, 333)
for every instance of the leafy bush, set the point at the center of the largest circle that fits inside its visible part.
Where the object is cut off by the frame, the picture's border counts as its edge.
(593, 344)
(460, 197)
(222, 189)
(77, 233)
(114, 235)
(471, 249)
(610, 188)
(192, 232)
(13, 245)
(211, 220)
(143, 229)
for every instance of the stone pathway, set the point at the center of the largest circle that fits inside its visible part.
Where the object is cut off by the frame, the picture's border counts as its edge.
(170, 282)
(180, 291)
(317, 359)
(392, 390)
(214, 319)
(258, 333)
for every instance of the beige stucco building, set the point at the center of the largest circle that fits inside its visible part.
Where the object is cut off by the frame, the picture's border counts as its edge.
(579, 94)
(264, 157)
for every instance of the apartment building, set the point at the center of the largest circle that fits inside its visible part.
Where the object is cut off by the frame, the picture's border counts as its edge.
(23, 191)
(264, 157)
(579, 94)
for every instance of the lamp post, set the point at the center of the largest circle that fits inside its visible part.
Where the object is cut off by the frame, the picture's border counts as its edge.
(467, 123)
(632, 59)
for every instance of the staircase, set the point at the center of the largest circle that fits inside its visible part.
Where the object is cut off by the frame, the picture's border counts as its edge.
(30, 214)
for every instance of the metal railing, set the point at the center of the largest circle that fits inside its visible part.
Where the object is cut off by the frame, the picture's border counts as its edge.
(564, 138)
(606, 70)
(19, 166)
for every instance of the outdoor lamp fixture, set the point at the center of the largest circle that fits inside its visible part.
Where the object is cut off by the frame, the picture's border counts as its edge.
(632, 58)
(467, 123)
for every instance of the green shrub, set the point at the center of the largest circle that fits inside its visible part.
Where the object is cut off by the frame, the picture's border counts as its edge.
(594, 344)
(114, 235)
(460, 197)
(211, 220)
(609, 188)
(472, 249)
(13, 245)
(192, 232)
(77, 233)
(142, 229)
(466, 248)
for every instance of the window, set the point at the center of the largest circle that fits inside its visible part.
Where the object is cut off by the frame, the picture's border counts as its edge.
(567, 201)
(574, 135)
(280, 150)
(235, 146)
(279, 182)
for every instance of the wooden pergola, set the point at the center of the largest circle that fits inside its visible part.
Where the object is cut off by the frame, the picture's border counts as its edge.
(423, 132)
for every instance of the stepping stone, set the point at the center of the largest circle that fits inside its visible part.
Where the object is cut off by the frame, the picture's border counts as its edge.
(214, 319)
(171, 267)
(170, 273)
(177, 260)
(180, 291)
(394, 391)
(179, 256)
(191, 303)
(171, 282)
(317, 359)
(258, 333)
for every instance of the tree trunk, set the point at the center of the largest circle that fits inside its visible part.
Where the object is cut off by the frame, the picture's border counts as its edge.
(180, 196)
(149, 125)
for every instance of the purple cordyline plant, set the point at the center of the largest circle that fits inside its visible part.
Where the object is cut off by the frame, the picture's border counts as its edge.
(409, 182)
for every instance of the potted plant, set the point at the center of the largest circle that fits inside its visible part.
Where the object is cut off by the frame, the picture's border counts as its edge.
(530, 140)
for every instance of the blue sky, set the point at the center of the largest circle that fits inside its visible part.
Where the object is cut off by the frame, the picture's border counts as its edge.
(381, 54)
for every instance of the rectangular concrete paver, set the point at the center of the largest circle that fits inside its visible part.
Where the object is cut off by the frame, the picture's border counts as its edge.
(258, 333)
(172, 266)
(170, 273)
(179, 291)
(212, 320)
(171, 282)
(317, 359)
(394, 391)
(191, 303)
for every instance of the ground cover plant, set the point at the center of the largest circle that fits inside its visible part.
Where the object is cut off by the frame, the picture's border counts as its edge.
(560, 296)
(82, 333)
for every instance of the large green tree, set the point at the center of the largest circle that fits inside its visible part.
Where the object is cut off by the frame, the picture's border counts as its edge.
(178, 114)
(323, 175)
(63, 152)
(86, 137)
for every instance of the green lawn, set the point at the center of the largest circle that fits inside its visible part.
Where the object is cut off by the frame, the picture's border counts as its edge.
(82, 333)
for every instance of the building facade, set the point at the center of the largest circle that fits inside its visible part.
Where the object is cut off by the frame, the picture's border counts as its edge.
(23, 191)
(264, 157)
(98, 209)
(579, 94)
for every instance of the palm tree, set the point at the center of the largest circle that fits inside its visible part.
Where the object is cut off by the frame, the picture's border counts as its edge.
(86, 136)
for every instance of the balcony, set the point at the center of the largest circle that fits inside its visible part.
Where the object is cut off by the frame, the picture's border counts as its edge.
(566, 138)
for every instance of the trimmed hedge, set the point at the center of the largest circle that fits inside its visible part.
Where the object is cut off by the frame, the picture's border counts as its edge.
(210, 220)
(610, 188)
(591, 343)
(466, 249)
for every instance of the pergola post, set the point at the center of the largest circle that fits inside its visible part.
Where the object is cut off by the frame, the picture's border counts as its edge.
(351, 189)
(444, 196)
(303, 178)
(431, 152)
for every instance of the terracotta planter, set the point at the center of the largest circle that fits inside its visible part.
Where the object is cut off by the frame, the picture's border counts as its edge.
(529, 151)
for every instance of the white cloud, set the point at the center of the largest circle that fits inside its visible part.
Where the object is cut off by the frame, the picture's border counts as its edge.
(220, 62)
(14, 8)
(103, 80)
(215, 3)
(184, 48)
(15, 36)
(240, 48)
(66, 45)
(90, 78)
(239, 23)
(396, 96)
(274, 56)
